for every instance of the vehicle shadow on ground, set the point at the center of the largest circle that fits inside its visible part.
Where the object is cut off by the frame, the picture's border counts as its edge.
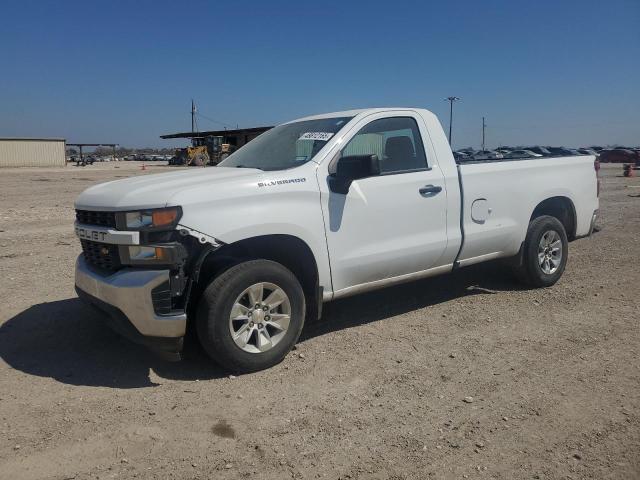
(67, 341)
(482, 279)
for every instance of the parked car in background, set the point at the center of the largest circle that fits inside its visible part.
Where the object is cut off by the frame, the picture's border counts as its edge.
(561, 151)
(504, 150)
(467, 150)
(588, 151)
(84, 161)
(540, 150)
(532, 153)
(522, 154)
(487, 155)
(619, 155)
(461, 156)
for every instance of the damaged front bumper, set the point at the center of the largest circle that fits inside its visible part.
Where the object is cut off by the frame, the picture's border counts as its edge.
(131, 298)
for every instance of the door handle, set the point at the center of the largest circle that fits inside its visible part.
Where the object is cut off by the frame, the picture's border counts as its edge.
(430, 189)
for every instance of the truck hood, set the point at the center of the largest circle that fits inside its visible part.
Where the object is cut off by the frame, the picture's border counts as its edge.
(152, 191)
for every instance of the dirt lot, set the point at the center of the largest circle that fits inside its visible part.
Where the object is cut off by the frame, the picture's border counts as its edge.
(374, 391)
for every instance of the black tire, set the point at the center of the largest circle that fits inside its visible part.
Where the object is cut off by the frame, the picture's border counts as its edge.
(214, 310)
(530, 271)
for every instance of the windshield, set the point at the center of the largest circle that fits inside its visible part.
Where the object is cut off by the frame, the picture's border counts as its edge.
(286, 146)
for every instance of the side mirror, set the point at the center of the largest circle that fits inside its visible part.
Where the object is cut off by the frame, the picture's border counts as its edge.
(352, 168)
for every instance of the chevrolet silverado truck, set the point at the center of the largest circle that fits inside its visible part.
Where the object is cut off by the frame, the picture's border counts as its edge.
(311, 211)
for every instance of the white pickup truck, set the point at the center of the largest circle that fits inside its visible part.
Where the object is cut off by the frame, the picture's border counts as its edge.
(310, 211)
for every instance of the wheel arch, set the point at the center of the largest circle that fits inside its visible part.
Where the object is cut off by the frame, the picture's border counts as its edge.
(560, 207)
(287, 250)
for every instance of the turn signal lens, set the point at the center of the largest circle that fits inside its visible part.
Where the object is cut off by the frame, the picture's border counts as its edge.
(166, 216)
(162, 253)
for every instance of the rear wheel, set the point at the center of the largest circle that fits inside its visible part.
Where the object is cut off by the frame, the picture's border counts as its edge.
(250, 316)
(545, 252)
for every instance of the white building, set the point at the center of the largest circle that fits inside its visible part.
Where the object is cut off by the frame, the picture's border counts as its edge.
(32, 152)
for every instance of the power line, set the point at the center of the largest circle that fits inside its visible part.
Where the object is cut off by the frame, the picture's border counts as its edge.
(214, 121)
(194, 121)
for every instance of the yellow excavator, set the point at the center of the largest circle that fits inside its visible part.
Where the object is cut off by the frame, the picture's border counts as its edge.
(192, 156)
(206, 151)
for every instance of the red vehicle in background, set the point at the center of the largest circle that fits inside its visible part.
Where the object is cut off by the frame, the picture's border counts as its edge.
(620, 155)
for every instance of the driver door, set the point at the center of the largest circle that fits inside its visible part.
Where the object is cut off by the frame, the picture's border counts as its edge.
(392, 224)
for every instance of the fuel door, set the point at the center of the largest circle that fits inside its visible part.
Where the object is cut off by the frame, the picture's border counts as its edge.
(480, 210)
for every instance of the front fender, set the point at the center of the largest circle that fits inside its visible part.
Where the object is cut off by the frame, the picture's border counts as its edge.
(292, 209)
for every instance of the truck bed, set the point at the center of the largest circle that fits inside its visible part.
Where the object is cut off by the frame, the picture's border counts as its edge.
(507, 159)
(498, 197)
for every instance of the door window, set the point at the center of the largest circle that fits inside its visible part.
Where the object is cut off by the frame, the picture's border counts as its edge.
(395, 140)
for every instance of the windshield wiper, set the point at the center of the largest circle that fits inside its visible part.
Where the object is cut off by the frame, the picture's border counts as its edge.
(244, 166)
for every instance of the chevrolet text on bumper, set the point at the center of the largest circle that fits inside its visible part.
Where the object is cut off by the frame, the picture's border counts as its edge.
(311, 211)
(106, 235)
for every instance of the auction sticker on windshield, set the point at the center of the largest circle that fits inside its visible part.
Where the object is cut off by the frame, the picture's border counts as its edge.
(322, 136)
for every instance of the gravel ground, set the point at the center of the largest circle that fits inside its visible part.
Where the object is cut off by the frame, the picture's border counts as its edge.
(461, 376)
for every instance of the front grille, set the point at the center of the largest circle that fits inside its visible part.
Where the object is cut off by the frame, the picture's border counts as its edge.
(103, 219)
(101, 255)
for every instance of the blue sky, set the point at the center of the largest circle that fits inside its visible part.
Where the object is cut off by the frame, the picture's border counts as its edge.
(542, 72)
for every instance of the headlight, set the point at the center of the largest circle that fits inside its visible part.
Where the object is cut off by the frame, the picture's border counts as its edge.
(138, 220)
(154, 219)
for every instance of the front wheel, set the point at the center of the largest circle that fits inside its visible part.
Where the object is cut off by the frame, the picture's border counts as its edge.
(250, 316)
(545, 252)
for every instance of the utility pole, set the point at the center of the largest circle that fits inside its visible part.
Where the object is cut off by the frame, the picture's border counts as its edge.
(193, 116)
(484, 125)
(451, 100)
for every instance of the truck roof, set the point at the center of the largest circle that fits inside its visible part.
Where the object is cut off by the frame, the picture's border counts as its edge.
(353, 113)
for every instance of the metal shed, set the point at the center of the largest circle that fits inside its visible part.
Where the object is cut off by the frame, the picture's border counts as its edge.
(32, 152)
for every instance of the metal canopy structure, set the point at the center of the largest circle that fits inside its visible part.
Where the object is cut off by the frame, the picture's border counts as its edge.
(80, 145)
(236, 137)
(219, 133)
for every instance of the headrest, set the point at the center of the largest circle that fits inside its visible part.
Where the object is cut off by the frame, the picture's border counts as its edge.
(399, 148)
